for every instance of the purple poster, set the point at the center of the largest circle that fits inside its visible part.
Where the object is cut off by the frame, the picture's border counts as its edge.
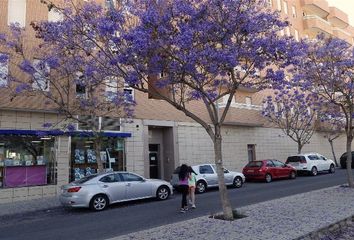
(22, 176)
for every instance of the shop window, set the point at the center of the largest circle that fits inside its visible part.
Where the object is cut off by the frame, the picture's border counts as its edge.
(17, 12)
(40, 77)
(27, 161)
(84, 156)
(4, 69)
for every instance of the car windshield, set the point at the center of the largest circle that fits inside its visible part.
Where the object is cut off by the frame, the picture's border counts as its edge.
(85, 179)
(254, 164)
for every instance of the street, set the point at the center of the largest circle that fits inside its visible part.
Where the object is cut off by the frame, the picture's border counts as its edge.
(130, 217)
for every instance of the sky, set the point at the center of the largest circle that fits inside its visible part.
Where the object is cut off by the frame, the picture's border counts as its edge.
(346, 6)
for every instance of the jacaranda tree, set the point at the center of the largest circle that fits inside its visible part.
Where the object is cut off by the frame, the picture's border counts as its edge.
(60, 70)
(180, 51)
(328, 70)
(295, 113)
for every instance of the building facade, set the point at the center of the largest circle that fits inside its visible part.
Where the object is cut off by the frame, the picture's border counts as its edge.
(35, 162)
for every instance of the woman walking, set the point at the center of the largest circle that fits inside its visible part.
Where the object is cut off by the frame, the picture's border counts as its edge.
(192, 183)
(183, 176)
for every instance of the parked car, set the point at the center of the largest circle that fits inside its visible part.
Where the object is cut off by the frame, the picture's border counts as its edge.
(343, 160)
(311, 163)
(207, 177)
(268, 170)
(99, 190)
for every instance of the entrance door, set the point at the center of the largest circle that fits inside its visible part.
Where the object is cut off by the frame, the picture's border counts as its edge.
(153, 160)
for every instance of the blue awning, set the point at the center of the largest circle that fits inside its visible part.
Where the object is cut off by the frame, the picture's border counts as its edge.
(60, 132)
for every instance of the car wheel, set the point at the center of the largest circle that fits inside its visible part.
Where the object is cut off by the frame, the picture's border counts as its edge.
(268, 178)
(99, 202)
(201, 187)
(162, 193)
(314, 171)
(332, 169)
(292, 175)
(237, 183)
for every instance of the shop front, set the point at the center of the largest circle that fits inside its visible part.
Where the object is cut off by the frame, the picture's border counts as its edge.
(27, 158)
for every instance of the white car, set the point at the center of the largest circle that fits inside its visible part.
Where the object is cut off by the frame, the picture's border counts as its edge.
(207, 177)
(311, 163)
(99, 190)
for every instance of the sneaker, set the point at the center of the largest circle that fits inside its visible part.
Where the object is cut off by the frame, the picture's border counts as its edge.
(190, 202)
(185, 208)
(193, 206)
(182, 210)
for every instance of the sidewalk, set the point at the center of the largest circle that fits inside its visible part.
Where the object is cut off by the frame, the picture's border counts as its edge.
(304, 216)
(22, 207)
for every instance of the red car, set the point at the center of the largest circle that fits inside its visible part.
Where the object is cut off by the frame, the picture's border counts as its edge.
(268, 170)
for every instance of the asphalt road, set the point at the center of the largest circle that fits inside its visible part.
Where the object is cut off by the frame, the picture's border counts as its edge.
(130, 217)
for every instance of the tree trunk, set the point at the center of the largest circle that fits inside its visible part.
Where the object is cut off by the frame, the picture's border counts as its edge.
(97, 146)
(349, 159)
(225, 202)
(299, 147)
(334, 155)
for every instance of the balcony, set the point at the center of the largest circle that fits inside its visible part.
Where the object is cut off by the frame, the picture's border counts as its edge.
(314, 25)
(338, 18)
(340, 33)
(315, 7)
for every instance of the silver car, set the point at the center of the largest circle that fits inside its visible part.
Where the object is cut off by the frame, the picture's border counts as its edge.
(207, 177)
(99, 190)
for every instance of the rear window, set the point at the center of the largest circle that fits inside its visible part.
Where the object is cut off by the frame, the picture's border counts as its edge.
(295, 159)
(255, 164)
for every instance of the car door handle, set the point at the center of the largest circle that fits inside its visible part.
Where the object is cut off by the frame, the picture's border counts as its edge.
(105, 186)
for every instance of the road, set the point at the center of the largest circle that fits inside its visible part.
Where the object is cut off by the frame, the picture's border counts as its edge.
(130, 217)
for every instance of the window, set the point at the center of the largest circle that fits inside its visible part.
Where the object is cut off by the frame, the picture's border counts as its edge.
(255, 164)
(80, 87)
(296, 35)
(270, 164)
(33, 158)
(285, 6)
(17, 12)
(110, 178)
(4, 69)
(88, 123)
(251, 150)
(293, 10)
(129, 93)
(40, 77)
(248, 101)
(313, 157)
(111, 88)
(278, 164)
(279, 5)
(206, 169)
(110, 124)
(55, 16)
(129, 177)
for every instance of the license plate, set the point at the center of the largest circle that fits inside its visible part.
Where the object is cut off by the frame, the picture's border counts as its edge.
(250, 170)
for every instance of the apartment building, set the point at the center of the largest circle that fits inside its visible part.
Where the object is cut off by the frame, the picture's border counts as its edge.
(35, 165)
